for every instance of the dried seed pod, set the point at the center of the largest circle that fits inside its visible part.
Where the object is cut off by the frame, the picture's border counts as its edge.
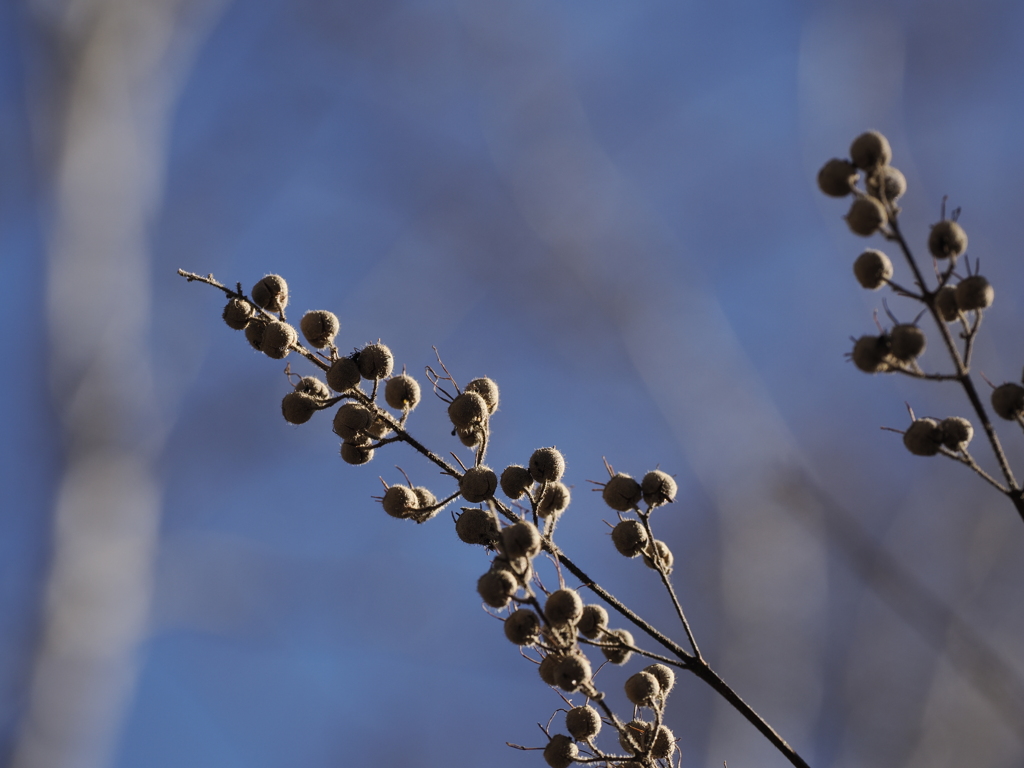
(947, 240)
(519, 567)
(477, 526)
(379, 428)
(870, 150)
(478, 484)
(633, 738)
(866, 216)
(945, 303)
(1008, 401)
(547, 465)
(402, 392)
(658, 488)
(496, 587)
(523, 627)
(238, 313)
(837, 177)
(554, 500)
(521, 540)
(872, 268)
(561, 751)
(665, 676)
(470, 437)
(271, 293)
(583, 723)
(630, 538)
(400, 501)
(563, 608)
(515, 481)
(664, 743)
(974, 293)
(906, 342)
(278, 338)
(642, 689)
(956, 432)
(622, 492)
(298, 407)
(254, 333)
(343, 375)
(313, 387)
(888, 181)
(320, 327)
(593, 621)
(375, 362)
(426, 503)
(615, 649)
(352, 453)
(871, 354)
(572, 672)
(487, 389)
(352, 420)
(467, 410)
(664, 556)
(547, 667)
(923, 437)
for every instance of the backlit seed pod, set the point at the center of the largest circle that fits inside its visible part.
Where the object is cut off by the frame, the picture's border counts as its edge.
(343, 375)
(906, 342)
(642, 689)
(615, 649)
(866, 216)
(554, 500)
(547, 667)
(313, 387)
(278, 339)
(400, 501)
(375, 362)
(271, 293)
(478, 484)
(467, 410)
(319, 327)
(561, 751)
(974, 293)
(583, 722)
(871, 354)
(665, 676)
(593, 621)
(658, 488)
(298, 407)
(547, 464)
(497, 587)
(470, 437)
(947, 239)
(520, 540)
(887, 180)
(519, 567)
(870, 150)
(664, 743)
(515, 481)
(923, 437)
(872, 268)
(837, 177)
(237, 313)
(1008, 401)
(633, 738)
(956, 432)
(630, 538)
(572, 672)
(487, 389)
(352, 420)
(477, 526)
(402, 392)
(426, 504)
(378, 429)
(664, 556)
(622, 492)
(563, 608)
(523, 627)
(355, 454)
(254, 333)
(945, 303)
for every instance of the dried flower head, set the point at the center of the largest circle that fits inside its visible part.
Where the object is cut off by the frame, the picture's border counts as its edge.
(254, 333)
(487, 389)
(563, 608)
(837, 177)
(353, 453)
(477, 526)
(298, 407)
(871, 354)
(906, 342)
(320, 327)
(593, 621)
(658, 488)
(866, 216)
(467, 410)
(352, 420)
(642, 689)
(343, 375)
(238, 313)
(923, 437)
(523, 627)
(1008, 401)
(521, 539)
(666, 677)
(554, 500)
(400, 501)
(375, 362)
(664, 743)
(515, 481)
(870, 150)
(313, 387)
(561, 751)
(946, 304)
(956, 432)
(583, 723)
(572, 672)
(271, 293)
(478, 484)
(496, 587)
(887, 181)
(547, 465)
(278, 339)
(974, 293)
(615, 645)
(633, 738)
(947, 240)
(872, 269)
(402, 392)
(663, 555)
(630, 538)
(622, 492)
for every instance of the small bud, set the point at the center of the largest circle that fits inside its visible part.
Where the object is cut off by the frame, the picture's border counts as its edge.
(561, 751)
(238, 313)
(837, 177)
(956, 432)
(375, 362)
(478, 484)
(866, 216)
(615, 649)
(402, 392)
(278, 338)
(343, 375)
(629, 538)
(319, 327)
(563, 608)
(352, 420)
(871, 354)
(355, 454)
(887, 180)
(923, 437)
(1008, 401)
(947, 239)
(906, 342)
(547, 464)
(945, 303)
(665, 676)
(488, 390)
(298, 407)
(254, 333)
(400, 501)
(515, 481)
(664, 556)
(870, 150)
(583, 723)
(593, 621)
(467, 410)
(974, 293)
(658, 488)
(313, 387)
(554, 500)
(622, 492)
(642, 689)
(271, 293)
(496, 587)
(520, 540)
(477, 526)
(572, 672)
(872, 268)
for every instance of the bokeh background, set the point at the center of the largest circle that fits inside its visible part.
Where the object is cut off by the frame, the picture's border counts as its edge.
(609, 208)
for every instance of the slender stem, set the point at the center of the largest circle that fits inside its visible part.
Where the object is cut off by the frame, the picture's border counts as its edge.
(660, 568)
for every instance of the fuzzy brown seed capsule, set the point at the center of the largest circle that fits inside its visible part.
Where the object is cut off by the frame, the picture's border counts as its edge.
(402, 392)
(515, 481)
(313, 387)
(866, 216)
(497, 587)
(523, 627)
(974, 293)
(467, 410)
(629, 538)
(563, 608)
(956, 432)
(837, 177)
(375, 362)
(352, 420)
(477, 526)
(923, 437)
(947, 240)
(520, 540)
(355, 454)
(665, 676)
(615, 649)
(658, 488)
(554, 500)
(593, 621)
(546, 669)
(945, 303)
(298, 407)
(547, 465)
(426, 503)
(254, 333)
(488, 390)
(271, 293)
(238, 313)
(871, 354)
(642, 689)
(572, 672)
(278, 338)
(319, 327)
(400, 501)
(622, 492)
(1008, 401)
(664, 556)
(519, 567)
(478, 484)
(887, 181)
(870, 150)
(906, 342)
(343, 375)
(583, 722)
(872, 268)
(561, 751)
